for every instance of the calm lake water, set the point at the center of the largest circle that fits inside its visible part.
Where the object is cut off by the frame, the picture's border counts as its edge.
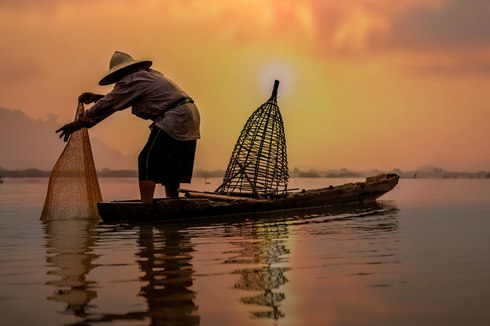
(420, 256)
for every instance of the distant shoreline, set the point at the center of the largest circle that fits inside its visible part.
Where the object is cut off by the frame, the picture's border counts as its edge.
(426, 172)
(105, 173)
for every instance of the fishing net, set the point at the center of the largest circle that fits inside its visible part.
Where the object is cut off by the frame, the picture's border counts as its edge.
(73, 189)
(259, 164)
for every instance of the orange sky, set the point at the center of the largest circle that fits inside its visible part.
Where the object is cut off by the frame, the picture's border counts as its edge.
(364, 83)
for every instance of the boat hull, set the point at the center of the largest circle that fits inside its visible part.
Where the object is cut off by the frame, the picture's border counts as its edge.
(185, 208)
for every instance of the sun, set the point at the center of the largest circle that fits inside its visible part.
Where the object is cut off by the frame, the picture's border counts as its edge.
(276, 70)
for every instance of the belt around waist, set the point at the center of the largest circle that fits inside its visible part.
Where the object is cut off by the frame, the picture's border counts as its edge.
(180, 102)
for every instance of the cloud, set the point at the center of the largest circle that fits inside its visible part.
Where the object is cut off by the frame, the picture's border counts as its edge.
(436, 37)
(363, 25)
(452, 25)
(451, 39)
(461, 67)
(354, 25)
(15, 72)
(22, 5)
(349, 60)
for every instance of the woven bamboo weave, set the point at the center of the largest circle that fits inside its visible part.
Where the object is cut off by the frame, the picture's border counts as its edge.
(258, 164)
(73, 188)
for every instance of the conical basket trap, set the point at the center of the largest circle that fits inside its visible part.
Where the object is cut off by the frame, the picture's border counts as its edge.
(259, 164)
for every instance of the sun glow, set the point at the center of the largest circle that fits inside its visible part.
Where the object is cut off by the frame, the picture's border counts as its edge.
(276, 70)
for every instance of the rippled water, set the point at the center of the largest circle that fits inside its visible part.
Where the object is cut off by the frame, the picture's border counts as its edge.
(420, 256)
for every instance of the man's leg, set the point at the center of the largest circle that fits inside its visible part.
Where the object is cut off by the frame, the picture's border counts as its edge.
(147, 190)
(172, 191)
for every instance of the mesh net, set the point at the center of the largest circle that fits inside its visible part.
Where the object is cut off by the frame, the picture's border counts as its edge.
(73, 189)
(259, 162)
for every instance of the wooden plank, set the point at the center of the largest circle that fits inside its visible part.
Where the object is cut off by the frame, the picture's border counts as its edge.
(217, 197)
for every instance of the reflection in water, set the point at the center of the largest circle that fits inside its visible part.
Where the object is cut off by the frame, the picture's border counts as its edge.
(359, 221)
(265, 280)
(264, 244)
(69, 249)
(165, 258)
(348, 266)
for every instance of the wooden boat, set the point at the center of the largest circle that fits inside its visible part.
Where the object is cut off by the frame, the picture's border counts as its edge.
(201, 204)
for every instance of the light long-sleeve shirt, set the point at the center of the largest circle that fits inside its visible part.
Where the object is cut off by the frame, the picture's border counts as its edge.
(150, 94)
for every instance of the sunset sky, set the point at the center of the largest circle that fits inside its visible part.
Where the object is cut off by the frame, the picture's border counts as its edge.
(364, 84)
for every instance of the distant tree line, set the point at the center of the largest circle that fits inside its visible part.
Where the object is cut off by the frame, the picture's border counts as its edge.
(28, 173)
(36, 173)
(105, 173)
(422, 172)
(342, 173)
(199, 173)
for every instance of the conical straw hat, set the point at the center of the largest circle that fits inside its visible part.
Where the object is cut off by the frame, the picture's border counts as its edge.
(118, 62)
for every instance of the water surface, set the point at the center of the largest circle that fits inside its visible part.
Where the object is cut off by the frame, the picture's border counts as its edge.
(419, 256)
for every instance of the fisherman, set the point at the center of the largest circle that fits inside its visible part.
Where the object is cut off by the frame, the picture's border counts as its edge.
(168, 156)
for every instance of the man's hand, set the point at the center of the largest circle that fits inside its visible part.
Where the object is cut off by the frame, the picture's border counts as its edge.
(68, 129)
(88, 97)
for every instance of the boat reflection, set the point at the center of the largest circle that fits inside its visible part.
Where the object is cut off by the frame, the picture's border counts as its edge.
(265, 244)
(69, 249)
(262, 247)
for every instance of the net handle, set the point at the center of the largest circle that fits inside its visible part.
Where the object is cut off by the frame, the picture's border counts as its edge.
(80, 110)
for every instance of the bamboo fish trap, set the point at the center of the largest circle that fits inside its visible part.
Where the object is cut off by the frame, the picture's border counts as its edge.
(73, 189)
(258, 164)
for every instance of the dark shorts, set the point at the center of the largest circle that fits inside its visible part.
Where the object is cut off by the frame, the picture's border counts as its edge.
(166, 160)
